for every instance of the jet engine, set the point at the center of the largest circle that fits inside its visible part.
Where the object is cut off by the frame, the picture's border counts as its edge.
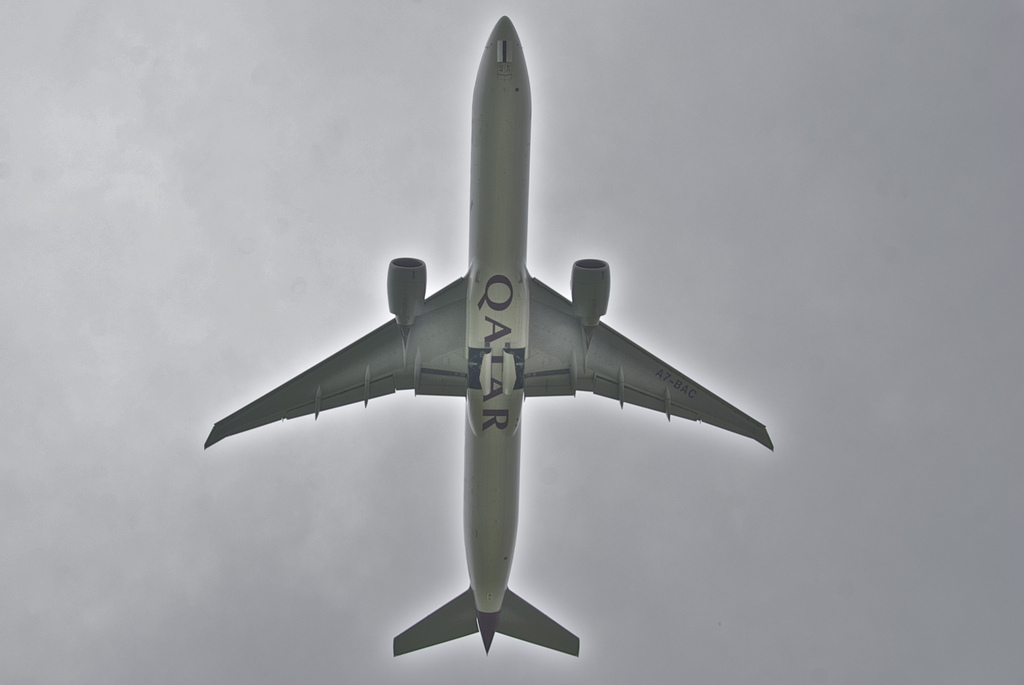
(591, 285)
(407, 287)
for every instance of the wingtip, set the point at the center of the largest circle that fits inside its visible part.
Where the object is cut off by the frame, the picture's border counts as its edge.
(213, 438)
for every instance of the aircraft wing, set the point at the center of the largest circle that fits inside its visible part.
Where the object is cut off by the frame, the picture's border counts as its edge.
(432, 362)
(561, 361)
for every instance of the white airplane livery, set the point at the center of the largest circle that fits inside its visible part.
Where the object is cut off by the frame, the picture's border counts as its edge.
(494, 336)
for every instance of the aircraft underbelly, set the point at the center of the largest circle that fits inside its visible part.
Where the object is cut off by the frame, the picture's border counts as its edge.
(491, 512)
(497, 318)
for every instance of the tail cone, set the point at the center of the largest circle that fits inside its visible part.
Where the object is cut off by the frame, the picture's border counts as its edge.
(488, 623)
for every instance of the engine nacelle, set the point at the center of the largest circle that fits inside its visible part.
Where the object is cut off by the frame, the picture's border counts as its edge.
(407, 288)
(591, 285)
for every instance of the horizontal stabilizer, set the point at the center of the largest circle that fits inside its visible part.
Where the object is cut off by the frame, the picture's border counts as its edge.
(455, 619)
(459, 617)
(523, 621)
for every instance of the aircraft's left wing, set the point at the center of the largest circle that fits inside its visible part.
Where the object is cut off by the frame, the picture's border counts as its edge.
(432, 362)
(563, 360)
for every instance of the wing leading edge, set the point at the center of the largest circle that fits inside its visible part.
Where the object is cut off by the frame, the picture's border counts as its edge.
(562, 361)
(430, 361)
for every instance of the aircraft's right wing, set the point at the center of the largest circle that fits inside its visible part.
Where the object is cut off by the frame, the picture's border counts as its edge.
(562, 361)
(432, 361)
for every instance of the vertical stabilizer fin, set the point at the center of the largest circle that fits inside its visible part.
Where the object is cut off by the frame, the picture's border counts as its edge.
(488, 624)
(521, 620)
(455, 619)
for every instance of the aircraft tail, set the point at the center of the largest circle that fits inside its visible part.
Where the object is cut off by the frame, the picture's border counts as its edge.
(522, 620)
(455, 619)
(459, 617)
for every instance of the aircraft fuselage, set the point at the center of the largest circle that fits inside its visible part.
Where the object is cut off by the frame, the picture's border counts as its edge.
(497, 312)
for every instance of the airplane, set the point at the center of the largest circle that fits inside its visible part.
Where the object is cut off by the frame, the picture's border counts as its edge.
(494, 336)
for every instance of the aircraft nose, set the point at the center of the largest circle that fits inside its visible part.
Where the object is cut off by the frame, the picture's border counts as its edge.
(504, 30)
(503, 67)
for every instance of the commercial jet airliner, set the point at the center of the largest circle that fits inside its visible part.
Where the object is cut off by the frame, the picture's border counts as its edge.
(494, 336)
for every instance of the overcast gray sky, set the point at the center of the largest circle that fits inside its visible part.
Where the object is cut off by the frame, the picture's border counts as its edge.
(812, 208)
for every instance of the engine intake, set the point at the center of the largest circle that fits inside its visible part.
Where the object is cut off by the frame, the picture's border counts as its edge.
(407, 288)
(591, 286)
